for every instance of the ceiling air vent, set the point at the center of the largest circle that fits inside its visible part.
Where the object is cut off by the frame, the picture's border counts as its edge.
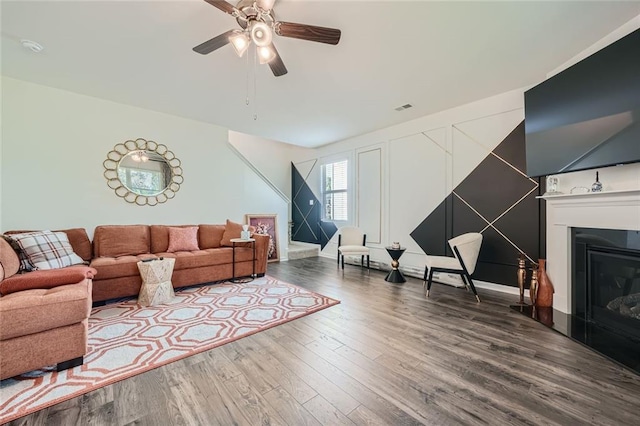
(403, 107)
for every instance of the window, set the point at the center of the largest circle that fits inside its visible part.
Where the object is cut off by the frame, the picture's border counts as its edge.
(335, 185)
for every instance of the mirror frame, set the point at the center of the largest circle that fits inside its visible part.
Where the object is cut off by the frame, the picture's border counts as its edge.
(121, 150)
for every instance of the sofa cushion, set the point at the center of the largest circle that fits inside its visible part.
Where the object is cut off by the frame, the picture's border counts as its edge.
(209, 236)
(47, 249)
(160, 236)
(24, 265)
(46, 279)
(208, 257)
(232, 230)
(37, 310)
(80, 242)
(8, 260)
(121, 240)
(117, 267)
(183, 239)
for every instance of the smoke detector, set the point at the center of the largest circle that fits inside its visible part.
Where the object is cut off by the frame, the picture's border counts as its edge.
(32, 45)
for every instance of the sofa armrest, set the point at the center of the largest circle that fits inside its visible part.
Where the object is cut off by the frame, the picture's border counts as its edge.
(262, 248)
(46, 279)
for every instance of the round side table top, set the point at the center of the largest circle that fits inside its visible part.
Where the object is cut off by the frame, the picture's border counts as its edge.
(241, 240)
(395, 251)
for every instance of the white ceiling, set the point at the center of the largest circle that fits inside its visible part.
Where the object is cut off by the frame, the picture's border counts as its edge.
(434, 55)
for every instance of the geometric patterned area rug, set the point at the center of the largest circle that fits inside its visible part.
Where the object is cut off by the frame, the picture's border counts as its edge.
(126, 339)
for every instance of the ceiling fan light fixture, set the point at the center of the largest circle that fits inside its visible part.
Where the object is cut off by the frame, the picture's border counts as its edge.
(266, 54)
(240, 43)
(261, 34)
(266, 4)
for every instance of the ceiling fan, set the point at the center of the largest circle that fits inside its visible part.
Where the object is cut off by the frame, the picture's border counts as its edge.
(258, 23)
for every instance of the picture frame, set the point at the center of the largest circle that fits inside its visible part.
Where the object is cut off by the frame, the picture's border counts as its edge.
(267, 224)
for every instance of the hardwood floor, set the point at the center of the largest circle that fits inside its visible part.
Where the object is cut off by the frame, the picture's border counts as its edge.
(384, 356)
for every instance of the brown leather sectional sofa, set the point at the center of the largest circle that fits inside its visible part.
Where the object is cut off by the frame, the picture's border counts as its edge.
(44, 314)
(118, 248)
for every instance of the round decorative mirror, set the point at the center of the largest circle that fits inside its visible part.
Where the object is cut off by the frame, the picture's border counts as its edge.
(143, 172)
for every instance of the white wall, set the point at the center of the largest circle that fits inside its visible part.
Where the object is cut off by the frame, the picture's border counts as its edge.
(54, 144)
(422, 161)
(1, 138)
(272, 158)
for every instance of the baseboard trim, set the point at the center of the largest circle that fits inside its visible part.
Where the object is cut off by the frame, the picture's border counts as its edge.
(415, 272)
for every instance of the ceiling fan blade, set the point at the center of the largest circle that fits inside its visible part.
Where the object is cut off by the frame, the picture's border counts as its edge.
(213, 44)
(308, 32)
(222, 5)
(276, 64)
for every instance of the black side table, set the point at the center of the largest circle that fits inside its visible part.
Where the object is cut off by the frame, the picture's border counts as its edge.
(235, 279)
(395, 276)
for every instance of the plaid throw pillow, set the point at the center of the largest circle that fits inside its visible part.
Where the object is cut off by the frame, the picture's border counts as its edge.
(25, 265)
(47, 250)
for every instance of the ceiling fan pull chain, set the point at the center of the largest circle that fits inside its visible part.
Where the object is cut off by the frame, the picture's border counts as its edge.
(255, 85)
(247, 97)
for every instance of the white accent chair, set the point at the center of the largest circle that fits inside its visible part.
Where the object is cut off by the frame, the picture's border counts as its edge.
(466, 249)
(352, 242)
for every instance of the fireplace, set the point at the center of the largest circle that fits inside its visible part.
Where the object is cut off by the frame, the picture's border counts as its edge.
(606, 280)
(593, 260)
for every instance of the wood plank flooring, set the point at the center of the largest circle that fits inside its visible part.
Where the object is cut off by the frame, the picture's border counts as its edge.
(385, 356)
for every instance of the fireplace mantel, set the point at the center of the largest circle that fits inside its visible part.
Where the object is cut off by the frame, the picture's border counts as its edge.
(606, 210)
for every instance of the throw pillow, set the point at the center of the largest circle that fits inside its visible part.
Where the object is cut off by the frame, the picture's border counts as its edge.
(183, 239)
(25, 265)
(232, 230)
(47, 250)
(9, 261)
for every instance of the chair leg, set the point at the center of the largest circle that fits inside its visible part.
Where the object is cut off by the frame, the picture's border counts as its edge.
(424, 281)
(473, 287)
(343, 262)
(368, 265)
(429, 281)
(362, 261)
(464, 281)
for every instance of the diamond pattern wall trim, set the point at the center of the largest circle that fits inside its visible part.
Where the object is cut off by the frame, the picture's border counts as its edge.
(498, 200)
(308, 226)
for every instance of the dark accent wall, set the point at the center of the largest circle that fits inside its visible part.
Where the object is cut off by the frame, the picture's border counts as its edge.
(308, 226)
(492, 200)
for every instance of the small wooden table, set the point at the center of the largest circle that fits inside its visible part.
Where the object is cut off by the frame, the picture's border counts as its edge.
(234, 279)
(395, 276)
(156, 281)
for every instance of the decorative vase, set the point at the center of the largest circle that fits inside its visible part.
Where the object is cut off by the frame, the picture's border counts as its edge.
(522, 277)
(544, 296)
(245, 234)
(545, 315)
(533, 285)
(597, 186)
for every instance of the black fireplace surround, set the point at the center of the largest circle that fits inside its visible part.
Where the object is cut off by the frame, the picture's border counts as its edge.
(606, 292)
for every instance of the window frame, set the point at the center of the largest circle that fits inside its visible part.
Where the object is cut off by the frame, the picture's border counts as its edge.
(348, 191)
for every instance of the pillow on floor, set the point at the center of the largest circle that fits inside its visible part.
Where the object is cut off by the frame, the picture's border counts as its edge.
(47, 250)
(183, 239)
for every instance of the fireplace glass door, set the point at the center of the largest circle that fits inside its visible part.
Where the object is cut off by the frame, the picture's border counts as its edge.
(606, 279)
